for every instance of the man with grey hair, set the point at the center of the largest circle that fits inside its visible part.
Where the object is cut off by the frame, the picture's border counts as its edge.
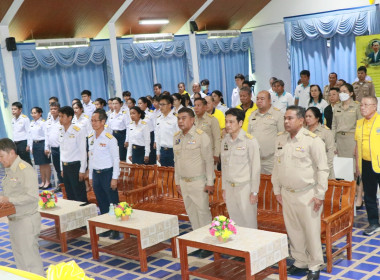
(20, 187)
(300, 180)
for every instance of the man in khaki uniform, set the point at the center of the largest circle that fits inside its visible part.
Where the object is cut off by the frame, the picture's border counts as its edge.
(363, 87)
(241, 171)
(264, 124)
(209, 125)
(333, 78)
(194, 169)
(299, 182)
(20, 187)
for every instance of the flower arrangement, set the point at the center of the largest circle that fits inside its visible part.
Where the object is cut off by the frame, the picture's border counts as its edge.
(48, 199)
(222, 227)
(123, 209)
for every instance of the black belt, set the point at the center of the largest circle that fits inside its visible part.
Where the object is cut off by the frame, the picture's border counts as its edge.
(16, 142)
(70, 163)
(136, 147)
(38, 141)
(102, 170)
(166, 148)
(119, 131)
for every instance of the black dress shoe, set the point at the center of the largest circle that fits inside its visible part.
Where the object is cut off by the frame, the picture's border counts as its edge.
(57, 190)
(84, 204)
(359, 207)
(293, 270)
(313, 275)
(114, 235)
(105, 234)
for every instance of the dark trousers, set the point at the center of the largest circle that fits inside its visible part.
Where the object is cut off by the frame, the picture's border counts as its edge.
(138, 153)
(167, 157)
(21, 151)
(152, 154)
(75, 190)
(120, 137)
(101, 183)
(370, 181)
(55, 154)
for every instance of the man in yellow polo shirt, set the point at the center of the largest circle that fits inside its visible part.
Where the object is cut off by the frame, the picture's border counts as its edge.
(367, 136)
(247, 105)
(210, 108)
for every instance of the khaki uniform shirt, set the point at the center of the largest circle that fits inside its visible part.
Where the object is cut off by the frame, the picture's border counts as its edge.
(326, 92)
(362, 89)
(210, 126)
(241, 161)
(265, 129)
(344, 120)
(300, 162)
(20, 185)
(328, 138)
(193, 155)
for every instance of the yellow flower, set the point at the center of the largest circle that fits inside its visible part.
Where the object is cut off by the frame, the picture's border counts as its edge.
(118, 212)
(217, 233)
(40, 203)
(50, 204)
(128, 211)
(222, 218)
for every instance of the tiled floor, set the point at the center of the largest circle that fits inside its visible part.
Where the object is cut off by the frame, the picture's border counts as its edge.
(364, 265)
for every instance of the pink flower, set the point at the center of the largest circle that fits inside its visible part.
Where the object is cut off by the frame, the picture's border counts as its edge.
(48, 196)
(212, 231)
(44, 200)
(216, 223)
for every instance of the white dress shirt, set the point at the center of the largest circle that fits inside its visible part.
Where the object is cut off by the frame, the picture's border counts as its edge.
(53, 130)
(179, 108)
(83, 122)
(119, 121)
(20, 128)
(149, 119)
(36, 132)
(166, 127)
(222, 107)
(73, 146)
(104, 153)
(138, 135)
(283, 101)
(89, 108)
(235, 97)
(303, 95)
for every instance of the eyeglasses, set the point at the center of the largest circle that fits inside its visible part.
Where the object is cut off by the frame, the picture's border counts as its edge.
(366, 105)
(163, 104)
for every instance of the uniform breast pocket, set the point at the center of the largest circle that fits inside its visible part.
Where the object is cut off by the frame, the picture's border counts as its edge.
(300, 159)
(177, 150)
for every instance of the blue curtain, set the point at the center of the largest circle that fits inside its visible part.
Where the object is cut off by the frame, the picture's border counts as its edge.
(336, 25)
(309, 55)
(343, 57)
(63, 73)
(221, 59)
(3, 87)
(144, 64)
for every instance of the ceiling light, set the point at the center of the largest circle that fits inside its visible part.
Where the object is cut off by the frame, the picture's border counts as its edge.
(153, 21)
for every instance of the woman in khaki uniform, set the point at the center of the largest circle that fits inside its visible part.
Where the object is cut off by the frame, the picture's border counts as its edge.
(313, 118)
(345, 116)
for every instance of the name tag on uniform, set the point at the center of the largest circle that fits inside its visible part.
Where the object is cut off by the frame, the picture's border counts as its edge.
(102, 145)
(270, 117)
(240, 148)
(71, 136)
(351, 111)
(225, 147)
(254, 119)
(204, 124)
(13, 179)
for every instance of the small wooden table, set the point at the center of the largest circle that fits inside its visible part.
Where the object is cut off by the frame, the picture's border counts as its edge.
(150, 229)
(69, 219)
(260, 249)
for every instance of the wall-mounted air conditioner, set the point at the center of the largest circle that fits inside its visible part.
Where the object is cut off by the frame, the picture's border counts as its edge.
(62, 43)
(153, 37)
(223, 33)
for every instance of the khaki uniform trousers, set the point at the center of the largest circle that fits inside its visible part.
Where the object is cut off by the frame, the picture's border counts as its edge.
(267, 165)
(303, 226)
(24, 234)
(196, 203)
(239, 208)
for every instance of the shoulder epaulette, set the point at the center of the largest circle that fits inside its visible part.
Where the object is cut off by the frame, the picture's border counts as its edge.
(249, 136)
(276, 109)
(131, 122)
(158, 116)
(143, 122)
(109, 135)
(199, 131)
(326, 127)
(22, 165)
(24, 116)
(92, 134)
(368, 81)
(77, 128)
(357, 102)
(355, 82)
(151, 111)
(280, 133)
(42, 120)
(175, 114)
(177, 133)
(312, 134)
(106, 125)
(87, 117)
(210, 115)
(124, 112)
(224, 105)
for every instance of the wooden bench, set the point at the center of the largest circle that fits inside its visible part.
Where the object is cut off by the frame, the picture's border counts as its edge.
(163, 197)
(336, 219)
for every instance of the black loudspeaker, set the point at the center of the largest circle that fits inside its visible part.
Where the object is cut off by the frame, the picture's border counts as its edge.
(11, 44)
(193, 26)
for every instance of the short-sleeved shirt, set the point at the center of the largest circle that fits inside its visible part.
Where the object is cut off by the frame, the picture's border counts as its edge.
(303, 95)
